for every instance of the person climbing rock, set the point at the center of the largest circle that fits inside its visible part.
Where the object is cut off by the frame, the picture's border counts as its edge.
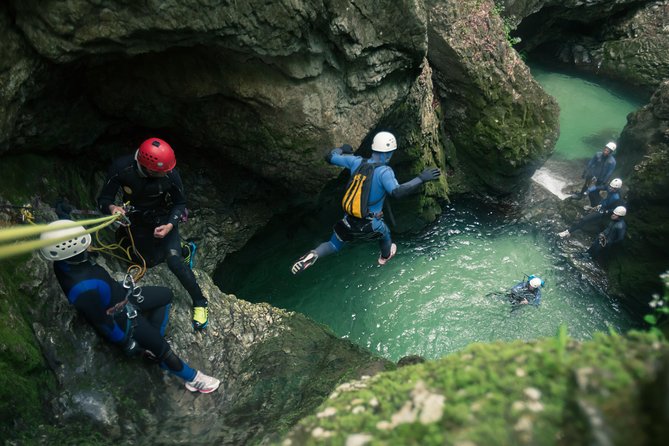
(612, 236)
(527, 292)
(597, 173)
(155, 191)
(602, 211)
(371, 180)
(132, 318)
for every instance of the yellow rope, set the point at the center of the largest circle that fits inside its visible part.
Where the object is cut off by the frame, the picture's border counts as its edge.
(18, 232)
(27, 246)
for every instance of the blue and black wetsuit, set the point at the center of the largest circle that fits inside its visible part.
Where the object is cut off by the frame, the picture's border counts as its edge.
(158, 201)
(522, 291)
(607, 205)
(612, 236)
(383, 183)
(600, 167)
(96, 295)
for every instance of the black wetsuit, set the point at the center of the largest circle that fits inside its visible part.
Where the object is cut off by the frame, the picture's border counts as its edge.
(157, 201)
(612, 201)
(94, 293)
(599, 167)
(613, 235)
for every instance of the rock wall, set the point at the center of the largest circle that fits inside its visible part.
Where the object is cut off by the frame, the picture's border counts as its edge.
(626, 40)
(499, 121)
(643, 161)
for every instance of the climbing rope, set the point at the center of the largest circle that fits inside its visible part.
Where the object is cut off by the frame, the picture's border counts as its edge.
(16, 233)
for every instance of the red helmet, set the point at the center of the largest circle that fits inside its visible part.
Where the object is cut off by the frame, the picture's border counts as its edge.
(155, 154)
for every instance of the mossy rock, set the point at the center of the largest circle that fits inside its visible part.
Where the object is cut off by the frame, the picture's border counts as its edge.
(538, 392)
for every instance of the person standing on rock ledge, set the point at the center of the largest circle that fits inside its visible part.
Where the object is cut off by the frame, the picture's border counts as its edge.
(154, 189)
(597, 173)
(130, 317)
(613, 235)
(371, 180)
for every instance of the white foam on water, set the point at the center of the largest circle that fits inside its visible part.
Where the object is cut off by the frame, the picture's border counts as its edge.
(549, 181)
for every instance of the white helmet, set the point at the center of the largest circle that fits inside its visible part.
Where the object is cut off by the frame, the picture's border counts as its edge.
(616, 183)
(620, 211)
(384, 142)
(535, 282)
(611, 146)
(68, 248)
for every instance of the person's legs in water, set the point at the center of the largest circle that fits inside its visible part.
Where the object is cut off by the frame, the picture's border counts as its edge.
(388, 248)
(322, 250)
(172, 247)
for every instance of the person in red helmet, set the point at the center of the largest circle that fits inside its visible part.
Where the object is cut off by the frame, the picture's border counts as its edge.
(154, 189)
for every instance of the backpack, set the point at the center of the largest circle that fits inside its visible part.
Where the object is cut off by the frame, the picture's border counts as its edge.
(355, 201)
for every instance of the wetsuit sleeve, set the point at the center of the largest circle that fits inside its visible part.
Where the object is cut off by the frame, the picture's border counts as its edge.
(178, 197)
(89, 304)
(349, 161)
(401, 190)
(590, 165)
(112, 185)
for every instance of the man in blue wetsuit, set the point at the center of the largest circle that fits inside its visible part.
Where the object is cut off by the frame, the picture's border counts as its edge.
(602, 211)
(611, 236)
(371, 181)
(134, 319)
(527, 292)
(597, 172)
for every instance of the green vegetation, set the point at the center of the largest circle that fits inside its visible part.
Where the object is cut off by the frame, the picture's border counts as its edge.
(500, 393)
(24, 376)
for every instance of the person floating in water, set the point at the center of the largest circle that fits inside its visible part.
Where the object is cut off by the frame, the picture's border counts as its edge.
(597, 173)
(613, 235)
(371, 180)
(152, 185)
(132, 318)
(527, 292)
(601, 212)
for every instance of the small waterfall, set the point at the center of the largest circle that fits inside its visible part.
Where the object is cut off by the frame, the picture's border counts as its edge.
(551, 182)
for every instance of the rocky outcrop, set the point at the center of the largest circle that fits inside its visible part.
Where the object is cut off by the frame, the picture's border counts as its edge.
(499, 120)
(643, 160)
(517, 393)
(275, 367)
(625, 40)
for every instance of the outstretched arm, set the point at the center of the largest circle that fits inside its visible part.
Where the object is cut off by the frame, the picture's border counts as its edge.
(404, 189)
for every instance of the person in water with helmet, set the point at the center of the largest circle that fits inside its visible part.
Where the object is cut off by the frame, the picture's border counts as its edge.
(371, 180)
(597, 173)
(527, 292)
(602, 211)
(612, 236)
(154, 189)
(131, 318)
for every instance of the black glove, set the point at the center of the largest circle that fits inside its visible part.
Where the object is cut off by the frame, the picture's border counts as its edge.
(346, 149)
(429, 174)
(132, 348)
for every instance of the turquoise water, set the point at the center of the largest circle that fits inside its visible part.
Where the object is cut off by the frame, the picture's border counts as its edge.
(590, 114)
(434, 297)
(438, 294)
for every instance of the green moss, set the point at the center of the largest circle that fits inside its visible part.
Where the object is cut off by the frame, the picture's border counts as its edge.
(489, 388)
(24, 377)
